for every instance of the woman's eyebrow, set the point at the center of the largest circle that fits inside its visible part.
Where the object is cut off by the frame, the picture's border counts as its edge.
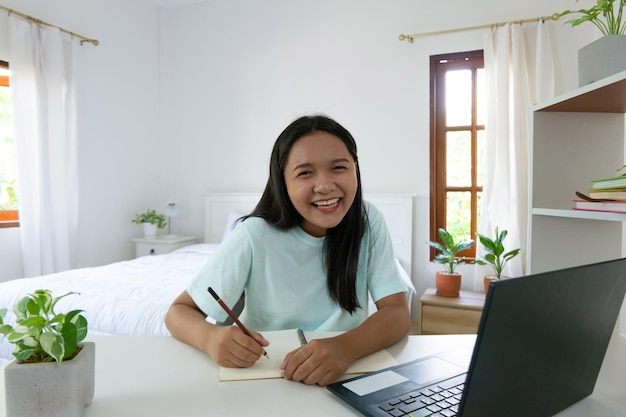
(308, 164)
(300, 166)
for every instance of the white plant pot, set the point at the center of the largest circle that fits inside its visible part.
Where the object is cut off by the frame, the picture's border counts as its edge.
(150, 230)
(601, 58)
(51, 390)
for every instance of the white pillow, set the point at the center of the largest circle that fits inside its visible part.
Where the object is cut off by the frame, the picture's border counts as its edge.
(206, 248)
(231, 222)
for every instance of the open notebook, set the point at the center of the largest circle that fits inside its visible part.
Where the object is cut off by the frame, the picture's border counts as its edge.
(283, 342)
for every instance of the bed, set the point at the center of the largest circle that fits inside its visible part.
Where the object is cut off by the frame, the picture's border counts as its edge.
(132, 297)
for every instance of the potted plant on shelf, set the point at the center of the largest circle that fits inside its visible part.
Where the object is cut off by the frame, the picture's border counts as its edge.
(496, 255)
(607, 55)
(151, 221)
(448, 282)
(53, 373)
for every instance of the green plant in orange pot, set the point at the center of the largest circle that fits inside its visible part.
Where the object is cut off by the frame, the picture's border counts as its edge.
(448, 281)
(496, 255)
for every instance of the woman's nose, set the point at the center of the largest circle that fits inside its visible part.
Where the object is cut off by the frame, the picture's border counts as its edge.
(324, 183)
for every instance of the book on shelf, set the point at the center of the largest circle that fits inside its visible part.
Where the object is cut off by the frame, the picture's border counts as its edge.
(608, 183)
(283, 342)
(611, 194)
(605, 206)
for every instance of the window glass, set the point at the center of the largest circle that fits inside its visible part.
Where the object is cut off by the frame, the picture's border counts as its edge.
(9, 216)
(458, 98)
(458, 204)
(8, 168)
(458, 159)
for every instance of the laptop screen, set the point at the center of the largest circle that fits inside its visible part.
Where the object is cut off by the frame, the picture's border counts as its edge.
(542, 340)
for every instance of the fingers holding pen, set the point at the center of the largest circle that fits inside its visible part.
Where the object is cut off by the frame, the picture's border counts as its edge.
(233, 348)
(317, 362)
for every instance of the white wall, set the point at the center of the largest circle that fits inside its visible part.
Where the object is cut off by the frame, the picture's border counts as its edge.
(205, 89)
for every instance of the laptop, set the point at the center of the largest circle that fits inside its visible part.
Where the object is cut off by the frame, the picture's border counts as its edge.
(540, 345)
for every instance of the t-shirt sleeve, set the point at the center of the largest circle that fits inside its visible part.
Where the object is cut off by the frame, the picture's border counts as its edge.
(226, 272)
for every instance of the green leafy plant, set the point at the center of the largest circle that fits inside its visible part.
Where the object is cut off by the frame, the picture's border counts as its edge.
(40, 334)
(449, 249)
(605, 15)
(152, 217)
(496, 255)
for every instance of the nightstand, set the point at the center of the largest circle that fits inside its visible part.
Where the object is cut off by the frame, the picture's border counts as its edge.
(450, 315)
(159, 245)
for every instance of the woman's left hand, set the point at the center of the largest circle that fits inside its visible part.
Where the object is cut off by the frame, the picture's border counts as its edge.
(321, 362)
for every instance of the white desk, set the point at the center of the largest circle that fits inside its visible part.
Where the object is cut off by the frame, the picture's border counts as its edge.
(159, 376)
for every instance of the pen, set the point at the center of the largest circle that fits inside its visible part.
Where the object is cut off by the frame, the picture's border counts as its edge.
(232, 316)
(302, 337)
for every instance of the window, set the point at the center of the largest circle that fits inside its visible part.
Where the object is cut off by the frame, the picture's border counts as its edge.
(457, 144)
(8, 169)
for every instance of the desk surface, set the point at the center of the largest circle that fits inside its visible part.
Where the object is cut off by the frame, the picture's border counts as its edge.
(159, 376)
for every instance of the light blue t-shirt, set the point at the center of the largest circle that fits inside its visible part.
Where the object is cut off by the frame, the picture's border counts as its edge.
(283, 277)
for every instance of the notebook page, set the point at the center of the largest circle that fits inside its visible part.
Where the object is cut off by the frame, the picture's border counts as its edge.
(283, 342)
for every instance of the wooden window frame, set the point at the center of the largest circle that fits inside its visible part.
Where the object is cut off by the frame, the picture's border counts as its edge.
(8, 218)
(438, 188)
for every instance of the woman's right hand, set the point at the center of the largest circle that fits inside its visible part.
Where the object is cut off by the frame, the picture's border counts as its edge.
(227, 345)
(230, 347)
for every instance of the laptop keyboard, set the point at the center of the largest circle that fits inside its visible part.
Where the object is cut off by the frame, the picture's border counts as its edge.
(438, 400)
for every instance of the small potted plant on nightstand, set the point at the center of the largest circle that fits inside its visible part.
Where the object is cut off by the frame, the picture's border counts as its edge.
(448, 282)
(496, 256)
(53, 373)
(151, 221)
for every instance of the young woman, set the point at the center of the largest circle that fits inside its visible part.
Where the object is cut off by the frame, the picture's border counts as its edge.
(307, 257)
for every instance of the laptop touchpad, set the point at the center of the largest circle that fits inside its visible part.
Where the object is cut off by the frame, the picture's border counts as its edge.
(421, 373)
(432, 369)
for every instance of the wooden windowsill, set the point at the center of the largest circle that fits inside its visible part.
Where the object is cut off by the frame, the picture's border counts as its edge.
(9, 218)
(7, 224)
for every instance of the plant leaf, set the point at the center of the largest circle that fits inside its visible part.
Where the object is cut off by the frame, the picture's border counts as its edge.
(20, 309)
(81, 327)
(70, 340)
(52, 344)
(22, 354)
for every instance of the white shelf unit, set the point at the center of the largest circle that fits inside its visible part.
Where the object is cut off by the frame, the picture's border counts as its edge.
(577, 137)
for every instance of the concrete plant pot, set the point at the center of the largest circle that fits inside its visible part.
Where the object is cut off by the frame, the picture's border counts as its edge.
(51, 390)
(601, 58)
(150, 230)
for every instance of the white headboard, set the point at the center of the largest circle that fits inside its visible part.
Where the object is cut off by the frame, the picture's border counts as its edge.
(397, 210)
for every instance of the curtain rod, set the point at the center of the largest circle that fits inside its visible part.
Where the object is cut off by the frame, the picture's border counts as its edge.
(493, 25)
(41, 22)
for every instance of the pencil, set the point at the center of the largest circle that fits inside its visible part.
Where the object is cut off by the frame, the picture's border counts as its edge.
(232, 316)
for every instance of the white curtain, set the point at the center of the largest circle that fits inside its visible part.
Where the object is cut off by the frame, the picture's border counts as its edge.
(42, 86)
(519, 69)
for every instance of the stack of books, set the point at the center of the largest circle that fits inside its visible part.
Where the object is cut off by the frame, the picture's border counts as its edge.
(609, 188)
(606, 194)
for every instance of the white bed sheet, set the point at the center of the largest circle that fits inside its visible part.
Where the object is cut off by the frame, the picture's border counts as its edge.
(123, 298)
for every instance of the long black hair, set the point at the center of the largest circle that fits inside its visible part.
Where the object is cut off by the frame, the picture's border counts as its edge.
(343, 242)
